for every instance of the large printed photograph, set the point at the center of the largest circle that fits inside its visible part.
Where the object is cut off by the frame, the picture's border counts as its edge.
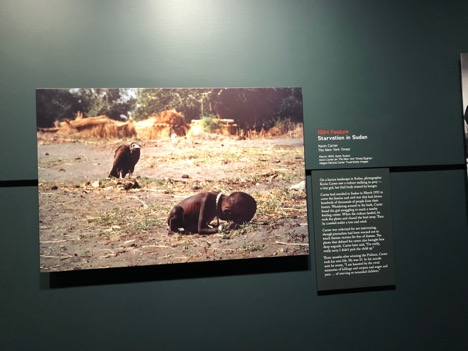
(134, 177)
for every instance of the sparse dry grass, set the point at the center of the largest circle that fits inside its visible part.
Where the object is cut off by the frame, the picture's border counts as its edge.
(98, 223)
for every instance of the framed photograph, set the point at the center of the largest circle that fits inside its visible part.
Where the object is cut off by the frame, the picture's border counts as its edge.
(134, 177)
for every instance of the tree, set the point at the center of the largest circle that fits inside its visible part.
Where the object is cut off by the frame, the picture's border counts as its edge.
(56, 104)
(112, 103)
(257, 108)
(250, 108)
(192, 103)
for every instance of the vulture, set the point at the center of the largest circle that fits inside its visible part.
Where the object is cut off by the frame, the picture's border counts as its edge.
(125, 159)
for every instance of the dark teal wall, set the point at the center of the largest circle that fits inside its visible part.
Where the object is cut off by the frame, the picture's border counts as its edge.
(390, 68)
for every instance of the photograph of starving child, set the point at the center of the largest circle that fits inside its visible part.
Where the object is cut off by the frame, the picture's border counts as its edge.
(134, 177)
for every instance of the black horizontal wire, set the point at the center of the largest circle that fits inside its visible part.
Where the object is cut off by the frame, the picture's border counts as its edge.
(18, 183)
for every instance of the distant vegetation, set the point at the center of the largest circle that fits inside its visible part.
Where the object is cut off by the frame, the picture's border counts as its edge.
(210, 124)
(250, 108)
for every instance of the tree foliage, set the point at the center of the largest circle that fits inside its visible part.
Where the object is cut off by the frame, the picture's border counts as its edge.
(193, 103)
(248, 107)
(55, 104)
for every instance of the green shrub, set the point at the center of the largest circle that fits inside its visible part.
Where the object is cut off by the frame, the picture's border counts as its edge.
(210, 124)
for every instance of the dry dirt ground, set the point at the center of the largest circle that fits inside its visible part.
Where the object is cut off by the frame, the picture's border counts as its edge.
(89, 221)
